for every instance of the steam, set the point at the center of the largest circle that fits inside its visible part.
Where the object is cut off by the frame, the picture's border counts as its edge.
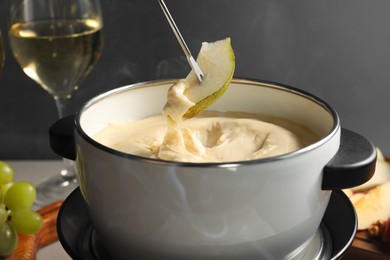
(172, 67)
(194, 218)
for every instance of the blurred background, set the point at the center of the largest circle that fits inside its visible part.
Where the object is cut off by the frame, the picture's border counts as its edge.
(337, 50)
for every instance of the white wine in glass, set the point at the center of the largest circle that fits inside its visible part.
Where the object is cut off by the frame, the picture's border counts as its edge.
(56, 43)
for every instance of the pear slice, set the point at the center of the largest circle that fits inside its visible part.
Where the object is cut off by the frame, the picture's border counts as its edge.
(217, 62)
(356, 197)
(379, 155)
(374, 206)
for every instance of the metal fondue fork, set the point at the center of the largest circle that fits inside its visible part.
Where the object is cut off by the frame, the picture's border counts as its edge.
(198, 72)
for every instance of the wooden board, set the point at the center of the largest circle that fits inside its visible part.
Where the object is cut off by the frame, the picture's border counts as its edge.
(364, 247)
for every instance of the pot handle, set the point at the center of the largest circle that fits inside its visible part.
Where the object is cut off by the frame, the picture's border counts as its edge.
(61, 137)
(353, 164)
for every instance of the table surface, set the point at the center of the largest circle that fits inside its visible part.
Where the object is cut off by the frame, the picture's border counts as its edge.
(35, 172)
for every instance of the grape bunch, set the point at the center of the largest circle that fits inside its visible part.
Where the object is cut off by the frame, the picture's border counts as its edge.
(16, 215)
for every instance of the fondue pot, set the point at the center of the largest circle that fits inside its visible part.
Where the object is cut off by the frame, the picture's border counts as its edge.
(267, 208)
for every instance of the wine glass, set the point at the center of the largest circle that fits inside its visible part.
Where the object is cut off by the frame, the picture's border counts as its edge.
(56, 43)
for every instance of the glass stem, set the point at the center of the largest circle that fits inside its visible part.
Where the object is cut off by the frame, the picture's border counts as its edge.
(62, 104)
(68, 171)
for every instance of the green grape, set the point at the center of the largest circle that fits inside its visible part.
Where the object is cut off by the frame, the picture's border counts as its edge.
(4, 189)
(3, 214)
(8, 240)
(21, 195)
(25, 221)
(6, 173)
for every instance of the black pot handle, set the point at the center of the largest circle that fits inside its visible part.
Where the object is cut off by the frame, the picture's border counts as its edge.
(353, 164)
(61, 137)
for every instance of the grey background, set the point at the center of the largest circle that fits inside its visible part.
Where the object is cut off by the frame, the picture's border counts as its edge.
(338, 50)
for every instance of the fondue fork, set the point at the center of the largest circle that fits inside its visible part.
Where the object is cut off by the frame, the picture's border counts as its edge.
(198, 72)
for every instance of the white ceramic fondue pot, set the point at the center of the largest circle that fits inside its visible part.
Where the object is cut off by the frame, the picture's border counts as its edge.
(261, 209)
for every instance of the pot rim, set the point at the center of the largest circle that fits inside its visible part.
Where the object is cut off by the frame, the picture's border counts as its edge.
(335, 128)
